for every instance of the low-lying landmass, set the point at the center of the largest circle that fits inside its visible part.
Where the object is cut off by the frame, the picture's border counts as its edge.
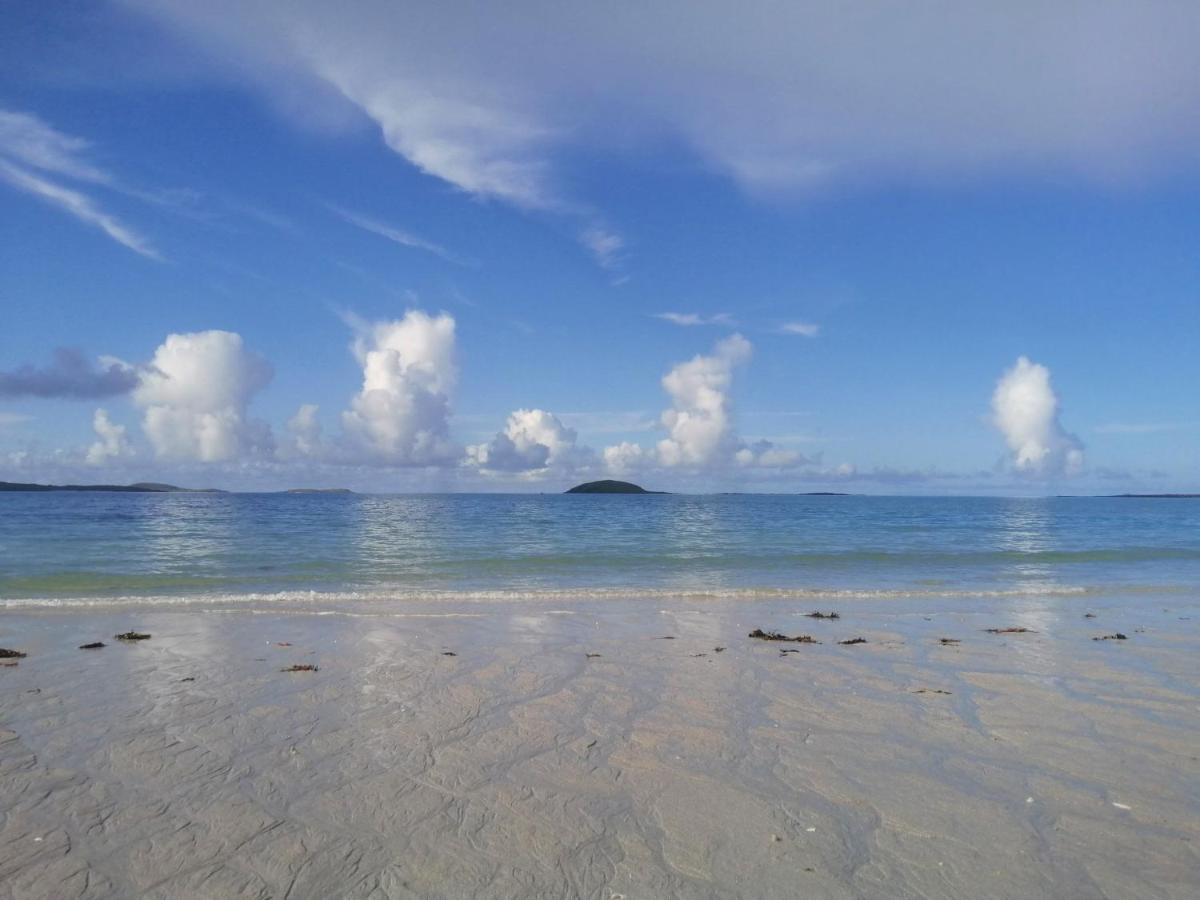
(1127, 496)
(609, 486)
(140, 487)
(147, 487)
(1158, 496)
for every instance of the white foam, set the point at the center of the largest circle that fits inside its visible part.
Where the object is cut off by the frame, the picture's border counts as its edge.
(510, 595)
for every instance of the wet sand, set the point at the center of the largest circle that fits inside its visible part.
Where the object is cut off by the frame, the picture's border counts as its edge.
(1055, 766)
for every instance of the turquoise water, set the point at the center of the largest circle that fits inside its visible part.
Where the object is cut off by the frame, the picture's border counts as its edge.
(64, 549)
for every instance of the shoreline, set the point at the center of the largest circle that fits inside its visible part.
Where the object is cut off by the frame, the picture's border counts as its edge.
(522, 766)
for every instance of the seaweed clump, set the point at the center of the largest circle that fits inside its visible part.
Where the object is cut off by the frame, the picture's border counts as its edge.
(759, 634)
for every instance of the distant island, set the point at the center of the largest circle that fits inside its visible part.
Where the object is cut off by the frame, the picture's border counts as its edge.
(141, 487)
(146, 487)
(1157, 496)
(608, 486)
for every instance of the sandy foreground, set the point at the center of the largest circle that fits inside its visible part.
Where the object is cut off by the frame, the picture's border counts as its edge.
(191, 765)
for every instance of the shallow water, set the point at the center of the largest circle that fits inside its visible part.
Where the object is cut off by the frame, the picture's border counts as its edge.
(231, 548)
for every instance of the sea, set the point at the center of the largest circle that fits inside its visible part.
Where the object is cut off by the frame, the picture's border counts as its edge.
(75, 549)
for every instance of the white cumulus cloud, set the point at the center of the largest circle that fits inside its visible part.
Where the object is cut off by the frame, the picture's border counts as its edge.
(626, 457)
(111, 442)
(401, 415)
(766, 455)
(700, 426)
(194, 397)
(1025, 409)
(532, 439)
(305, 431)
(699, 422)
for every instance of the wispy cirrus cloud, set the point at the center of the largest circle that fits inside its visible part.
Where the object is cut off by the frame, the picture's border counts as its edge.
(692, 319)
(604, 245)
(803, 329)
(79, 205)
(788, 98)
(26, 139)
(399, 235)
(33, 154)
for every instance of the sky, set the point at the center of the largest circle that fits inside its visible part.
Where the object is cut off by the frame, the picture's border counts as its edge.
(932, 248)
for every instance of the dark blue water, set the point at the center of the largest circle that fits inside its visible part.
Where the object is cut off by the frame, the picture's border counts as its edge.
(88, 547)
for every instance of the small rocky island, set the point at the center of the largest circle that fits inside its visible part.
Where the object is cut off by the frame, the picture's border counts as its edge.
(608, 486)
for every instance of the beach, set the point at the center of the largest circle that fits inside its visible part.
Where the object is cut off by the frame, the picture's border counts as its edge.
(616, 451)
(603, 749)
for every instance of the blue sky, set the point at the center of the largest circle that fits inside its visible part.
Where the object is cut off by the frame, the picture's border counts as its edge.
(870, 219)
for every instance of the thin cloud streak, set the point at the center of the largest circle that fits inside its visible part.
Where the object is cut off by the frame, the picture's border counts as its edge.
(604, 245)
(29, 146)
(399, 236)
(688, 320)
(79, 205)
(26, 139)
(804, 329)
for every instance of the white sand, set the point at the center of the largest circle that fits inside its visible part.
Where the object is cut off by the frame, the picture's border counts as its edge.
(1056, 767)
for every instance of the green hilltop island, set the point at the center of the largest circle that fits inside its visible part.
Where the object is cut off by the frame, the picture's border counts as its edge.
(608, 486)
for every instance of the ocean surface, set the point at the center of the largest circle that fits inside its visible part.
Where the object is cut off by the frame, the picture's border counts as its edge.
(68, 549)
